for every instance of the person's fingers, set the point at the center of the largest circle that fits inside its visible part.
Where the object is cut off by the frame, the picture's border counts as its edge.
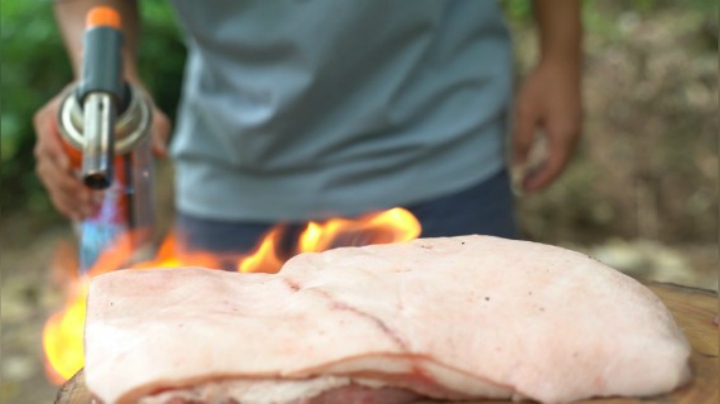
(560, 146)
(161, 125)
(161, 133)
(69, 203)
(65, 207)
(53, 166)
(64, 187)
(53, 169)
(526, 120)
(68, 207)
(48, 144)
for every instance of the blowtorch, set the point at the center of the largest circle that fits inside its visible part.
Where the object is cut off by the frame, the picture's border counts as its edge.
(105, 126)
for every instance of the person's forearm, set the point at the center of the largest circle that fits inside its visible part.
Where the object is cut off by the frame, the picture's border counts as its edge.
(70, 16)
(560, 29)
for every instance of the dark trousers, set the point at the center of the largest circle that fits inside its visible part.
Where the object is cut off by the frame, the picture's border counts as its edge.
(486, 208)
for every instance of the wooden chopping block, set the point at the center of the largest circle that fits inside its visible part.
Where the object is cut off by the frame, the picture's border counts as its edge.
(693, 309)
(74, 391)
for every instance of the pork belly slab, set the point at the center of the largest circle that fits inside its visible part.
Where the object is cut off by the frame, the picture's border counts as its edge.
(446, 318)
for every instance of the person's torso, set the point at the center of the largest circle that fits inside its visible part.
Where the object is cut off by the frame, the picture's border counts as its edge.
(347, 92)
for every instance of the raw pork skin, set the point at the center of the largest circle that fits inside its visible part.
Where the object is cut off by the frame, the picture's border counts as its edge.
(446, 318)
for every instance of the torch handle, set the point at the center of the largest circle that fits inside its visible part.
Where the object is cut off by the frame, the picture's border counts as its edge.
(101, 70)
(101, 94)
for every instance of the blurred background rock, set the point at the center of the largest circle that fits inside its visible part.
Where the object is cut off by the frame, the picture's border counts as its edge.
(641, 194)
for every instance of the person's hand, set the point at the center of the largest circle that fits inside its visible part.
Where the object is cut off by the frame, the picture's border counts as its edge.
(69, 196)
(549, 100)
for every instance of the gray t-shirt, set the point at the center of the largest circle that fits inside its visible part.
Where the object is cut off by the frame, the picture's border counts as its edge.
(305, 109)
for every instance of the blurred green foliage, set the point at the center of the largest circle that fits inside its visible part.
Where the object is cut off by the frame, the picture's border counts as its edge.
(35, 68)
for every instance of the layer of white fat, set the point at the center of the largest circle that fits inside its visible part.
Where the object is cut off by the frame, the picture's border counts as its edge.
(447, 383)
(267, 391)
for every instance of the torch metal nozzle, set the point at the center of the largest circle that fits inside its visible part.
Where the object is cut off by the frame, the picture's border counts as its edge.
(98, 150)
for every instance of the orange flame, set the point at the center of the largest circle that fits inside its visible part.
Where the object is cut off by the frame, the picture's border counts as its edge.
(63, 332)
(265, 257)
(392, 226)
(63, 336)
